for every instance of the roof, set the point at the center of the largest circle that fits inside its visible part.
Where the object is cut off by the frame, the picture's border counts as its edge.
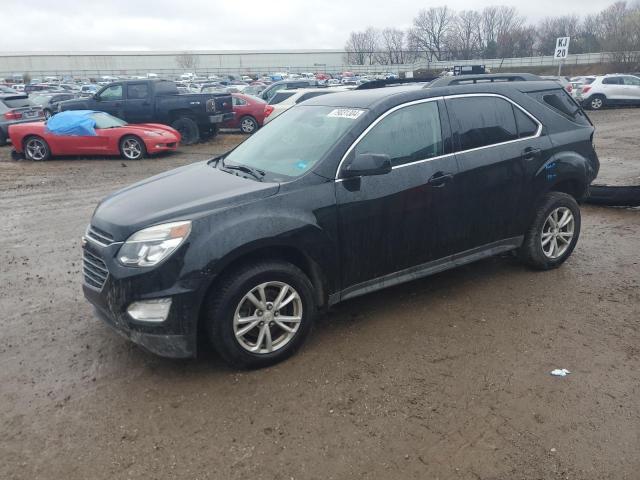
(391, 96)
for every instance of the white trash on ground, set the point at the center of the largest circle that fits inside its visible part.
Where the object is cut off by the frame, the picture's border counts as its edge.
(560, 372)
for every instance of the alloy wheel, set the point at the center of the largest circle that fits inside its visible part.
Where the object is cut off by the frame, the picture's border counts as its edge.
(268, 317)
(131, 149)
(596, 103)
(36, 149)
(247, 125)
(557, 232)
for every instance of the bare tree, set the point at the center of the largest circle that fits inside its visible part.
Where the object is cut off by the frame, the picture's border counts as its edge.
(465, 38)
(392, 47)
(430, 31)
(361, 47)
(188, 61)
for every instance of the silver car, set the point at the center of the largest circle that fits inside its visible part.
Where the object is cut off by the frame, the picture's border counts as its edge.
(16, 108)
(609, 90)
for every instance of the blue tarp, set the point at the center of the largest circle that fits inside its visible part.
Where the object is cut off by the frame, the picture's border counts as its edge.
(72, 122)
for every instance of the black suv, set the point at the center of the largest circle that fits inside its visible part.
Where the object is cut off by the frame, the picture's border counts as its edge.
(339, 196)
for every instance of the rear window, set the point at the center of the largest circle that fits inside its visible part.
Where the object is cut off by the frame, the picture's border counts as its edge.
(309, 95)
(561, 102)
(280, 97)
(17, 102)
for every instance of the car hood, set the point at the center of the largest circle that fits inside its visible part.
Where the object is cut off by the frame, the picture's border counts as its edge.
(185, 193)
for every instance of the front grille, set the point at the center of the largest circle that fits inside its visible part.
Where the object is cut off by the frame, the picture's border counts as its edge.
(94, 270)
(99, 236)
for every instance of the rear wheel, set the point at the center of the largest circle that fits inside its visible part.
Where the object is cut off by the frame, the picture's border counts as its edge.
(36, 149)
(260, 314)
(596, 102)
(554, 232)
(132, 148)
(188, 130)
(248, 124)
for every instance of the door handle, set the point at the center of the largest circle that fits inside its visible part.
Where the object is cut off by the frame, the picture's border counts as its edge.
(439, 179)
(530, 153)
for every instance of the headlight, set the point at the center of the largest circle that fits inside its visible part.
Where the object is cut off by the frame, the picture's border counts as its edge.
(150, 246)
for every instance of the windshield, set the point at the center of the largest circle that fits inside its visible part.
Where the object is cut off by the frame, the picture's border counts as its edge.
(295, 141)
(104, 120)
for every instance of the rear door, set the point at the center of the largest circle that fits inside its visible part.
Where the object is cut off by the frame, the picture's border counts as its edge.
(138, 107)
(390, 223)
(496, 142)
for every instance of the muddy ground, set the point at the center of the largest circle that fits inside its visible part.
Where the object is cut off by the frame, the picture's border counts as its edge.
(441, 378)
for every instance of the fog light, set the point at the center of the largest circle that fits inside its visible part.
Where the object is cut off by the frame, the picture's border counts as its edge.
(155, 310)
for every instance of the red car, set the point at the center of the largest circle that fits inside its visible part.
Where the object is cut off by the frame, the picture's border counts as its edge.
(91, 133)
(249, 113)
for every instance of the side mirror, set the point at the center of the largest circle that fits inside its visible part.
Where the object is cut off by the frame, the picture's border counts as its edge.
(366, 164)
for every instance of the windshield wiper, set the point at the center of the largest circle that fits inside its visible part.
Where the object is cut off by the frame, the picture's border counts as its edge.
(254, 172)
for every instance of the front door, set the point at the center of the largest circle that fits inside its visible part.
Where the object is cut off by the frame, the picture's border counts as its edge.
(390, 223)
(111, 100)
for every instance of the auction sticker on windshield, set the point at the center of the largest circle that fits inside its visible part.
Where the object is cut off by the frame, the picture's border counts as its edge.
(351, 113)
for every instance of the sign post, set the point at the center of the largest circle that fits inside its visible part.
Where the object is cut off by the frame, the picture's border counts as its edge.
(562, 51)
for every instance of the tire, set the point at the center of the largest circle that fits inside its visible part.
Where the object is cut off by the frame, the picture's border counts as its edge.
(227, 303)
(36, 149)
(132, 148)
(542, 256)
(47, 114)
(3, 139)
(596, 102)
(188, 130)
(614, 196)
(248, 124)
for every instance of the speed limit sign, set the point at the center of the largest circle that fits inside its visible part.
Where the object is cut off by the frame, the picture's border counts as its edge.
(562, 48)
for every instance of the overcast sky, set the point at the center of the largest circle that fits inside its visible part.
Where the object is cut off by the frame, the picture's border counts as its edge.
(223, 25)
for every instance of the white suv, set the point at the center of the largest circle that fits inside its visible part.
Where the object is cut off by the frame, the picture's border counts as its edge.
(283, 100)
(614, 89)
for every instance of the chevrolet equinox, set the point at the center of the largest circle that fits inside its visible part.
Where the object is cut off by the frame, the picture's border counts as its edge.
(340, 196)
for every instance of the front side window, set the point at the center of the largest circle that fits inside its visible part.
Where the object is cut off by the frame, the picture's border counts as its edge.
(407, 135)
(114, 92)
(482, 121)
(634, 81)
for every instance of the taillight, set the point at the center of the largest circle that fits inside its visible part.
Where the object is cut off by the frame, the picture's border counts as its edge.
(569, 88)
(586, 88)
(268, 110)
(13, 115)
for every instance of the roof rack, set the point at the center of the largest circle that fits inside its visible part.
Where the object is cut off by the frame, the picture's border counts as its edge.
(392, 81)
(483, 78)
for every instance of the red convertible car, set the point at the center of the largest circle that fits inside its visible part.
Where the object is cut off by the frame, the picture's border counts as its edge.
(84, 132)
(249, 113)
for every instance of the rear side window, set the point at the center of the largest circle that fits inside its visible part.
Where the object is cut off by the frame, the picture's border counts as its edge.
(482, 121)
(612, 81)
(561, 102)
(18, 102)
(407, 135)
(137, 91)
(280, 97)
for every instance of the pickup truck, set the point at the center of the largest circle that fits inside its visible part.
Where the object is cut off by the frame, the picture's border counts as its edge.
(195, 116)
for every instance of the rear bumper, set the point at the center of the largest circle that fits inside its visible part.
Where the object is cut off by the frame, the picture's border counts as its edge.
(221, 117)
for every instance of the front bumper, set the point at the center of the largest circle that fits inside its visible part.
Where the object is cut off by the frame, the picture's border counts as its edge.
(176, 337)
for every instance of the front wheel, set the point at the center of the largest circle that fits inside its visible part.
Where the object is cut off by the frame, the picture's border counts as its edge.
(554, 232)
(132, 148)
(260, 314)
(36, 149)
